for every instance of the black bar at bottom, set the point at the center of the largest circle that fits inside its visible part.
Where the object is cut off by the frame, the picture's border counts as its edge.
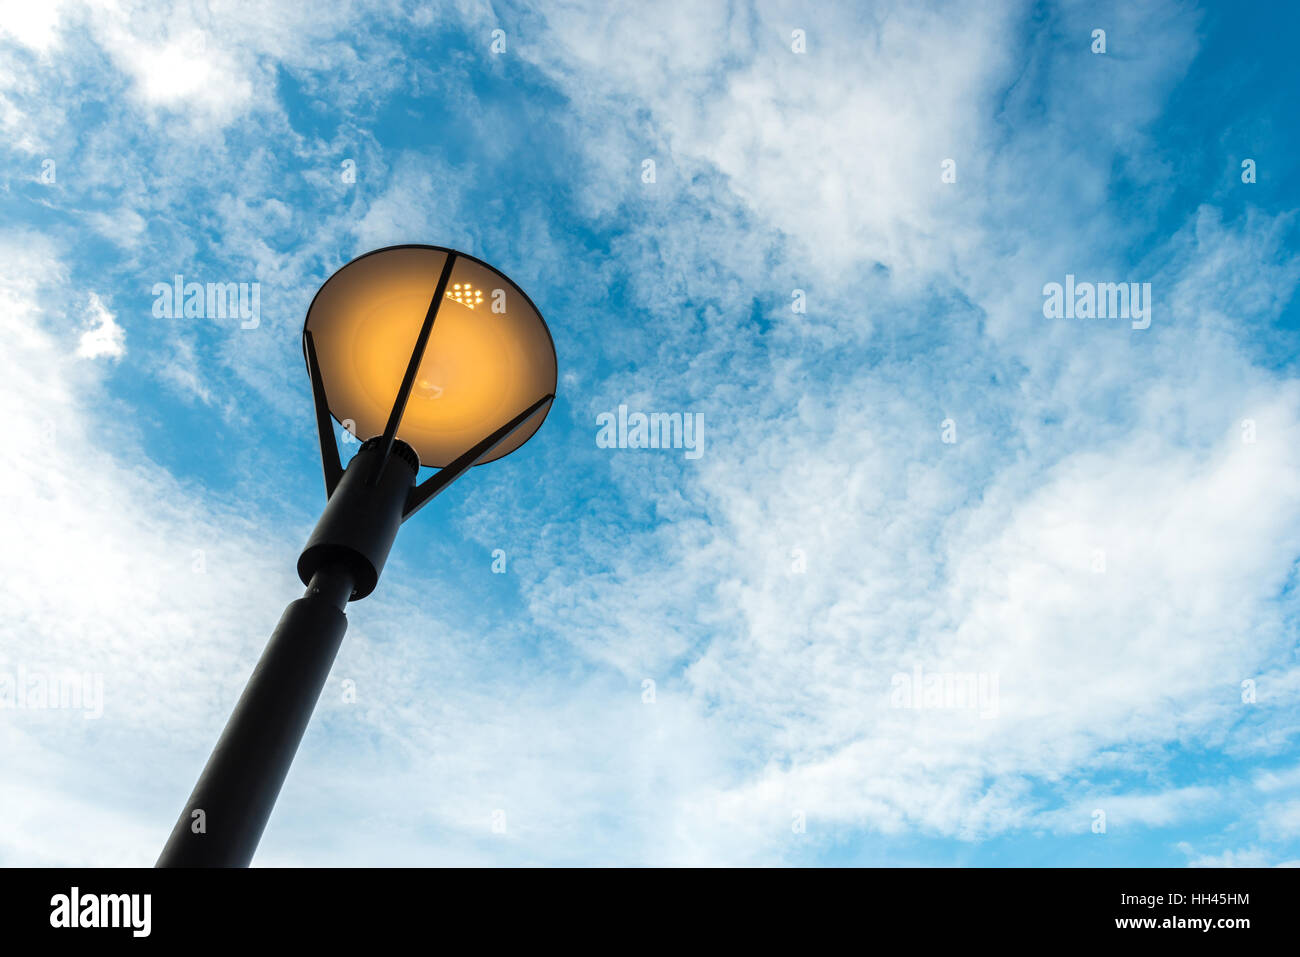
(815, 910)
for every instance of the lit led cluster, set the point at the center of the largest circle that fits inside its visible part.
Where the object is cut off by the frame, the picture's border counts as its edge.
(465, 295)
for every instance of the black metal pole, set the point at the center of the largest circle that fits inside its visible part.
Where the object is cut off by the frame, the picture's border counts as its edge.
(225, 815)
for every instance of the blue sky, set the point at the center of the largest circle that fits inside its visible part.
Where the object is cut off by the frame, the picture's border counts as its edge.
(920, 470)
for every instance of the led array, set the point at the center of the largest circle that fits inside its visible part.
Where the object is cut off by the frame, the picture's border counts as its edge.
(464, 294)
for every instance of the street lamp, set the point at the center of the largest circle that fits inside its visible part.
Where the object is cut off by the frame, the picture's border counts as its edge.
(444, 362)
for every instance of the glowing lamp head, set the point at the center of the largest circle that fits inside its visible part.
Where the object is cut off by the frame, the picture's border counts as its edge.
(488, 356)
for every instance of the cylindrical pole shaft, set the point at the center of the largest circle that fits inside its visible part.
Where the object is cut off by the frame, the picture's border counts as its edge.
(225, 815)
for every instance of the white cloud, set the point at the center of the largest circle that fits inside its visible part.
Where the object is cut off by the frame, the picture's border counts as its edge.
(34, 25)
(1281, 821)
(104, 337)
(1249, 857)
(209, 64)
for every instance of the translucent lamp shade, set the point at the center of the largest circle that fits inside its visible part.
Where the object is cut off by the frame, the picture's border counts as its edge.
(489, 355)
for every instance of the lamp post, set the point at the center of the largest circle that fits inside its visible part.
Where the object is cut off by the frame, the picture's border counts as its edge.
(444, 362)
